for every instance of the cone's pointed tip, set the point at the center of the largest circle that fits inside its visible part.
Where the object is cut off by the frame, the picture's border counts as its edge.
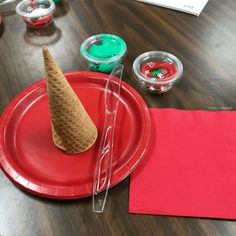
(45, 50)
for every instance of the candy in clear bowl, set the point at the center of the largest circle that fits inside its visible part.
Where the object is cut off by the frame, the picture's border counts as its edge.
(157, 71)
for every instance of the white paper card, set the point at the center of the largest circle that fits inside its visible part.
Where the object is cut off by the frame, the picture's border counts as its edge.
(194, 7)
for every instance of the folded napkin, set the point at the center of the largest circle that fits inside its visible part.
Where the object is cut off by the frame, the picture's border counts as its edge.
(190, 168)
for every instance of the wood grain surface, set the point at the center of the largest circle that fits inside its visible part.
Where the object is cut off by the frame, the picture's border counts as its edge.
(207, 48)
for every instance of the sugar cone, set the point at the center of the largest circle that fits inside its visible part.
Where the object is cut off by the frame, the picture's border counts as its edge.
(72, 129)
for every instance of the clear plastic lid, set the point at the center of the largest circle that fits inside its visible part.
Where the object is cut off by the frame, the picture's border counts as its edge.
(35, 8)
(103, 48)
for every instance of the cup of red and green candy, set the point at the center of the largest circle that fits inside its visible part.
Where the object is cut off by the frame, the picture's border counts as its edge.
(157, 71)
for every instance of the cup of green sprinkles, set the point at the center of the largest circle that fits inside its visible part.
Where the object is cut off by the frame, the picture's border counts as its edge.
(103, 52)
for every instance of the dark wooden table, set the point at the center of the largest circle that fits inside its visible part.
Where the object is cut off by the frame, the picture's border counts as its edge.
(207, 48)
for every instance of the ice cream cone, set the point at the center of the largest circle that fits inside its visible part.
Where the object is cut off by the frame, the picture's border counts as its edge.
(72, 129)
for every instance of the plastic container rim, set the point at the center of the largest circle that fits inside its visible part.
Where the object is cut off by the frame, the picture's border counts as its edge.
(94, 38)
(48, 11)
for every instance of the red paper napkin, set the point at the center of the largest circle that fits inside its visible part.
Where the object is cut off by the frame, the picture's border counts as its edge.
(190, 168)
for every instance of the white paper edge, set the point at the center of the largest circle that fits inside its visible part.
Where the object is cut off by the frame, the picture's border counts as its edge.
(173, 8)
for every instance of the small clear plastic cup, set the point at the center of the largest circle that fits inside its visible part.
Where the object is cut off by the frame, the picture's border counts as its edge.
(157, 71)
(103, 52)
(36, 13)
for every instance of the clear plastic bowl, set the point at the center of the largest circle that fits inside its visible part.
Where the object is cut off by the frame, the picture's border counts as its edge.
(157, 71)
(103, 52)
(36, 13)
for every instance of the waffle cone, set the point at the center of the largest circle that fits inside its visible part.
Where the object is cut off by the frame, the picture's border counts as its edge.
(72, 129)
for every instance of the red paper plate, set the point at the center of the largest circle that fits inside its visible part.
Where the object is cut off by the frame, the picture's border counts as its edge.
(31, 160)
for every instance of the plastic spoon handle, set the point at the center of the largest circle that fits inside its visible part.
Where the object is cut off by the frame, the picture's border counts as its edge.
(103, 168)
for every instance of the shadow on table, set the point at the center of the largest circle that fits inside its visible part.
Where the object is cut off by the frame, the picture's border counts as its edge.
(62, 8)
(113, 194)
(53, 201)
(39, 37)
(1, 29)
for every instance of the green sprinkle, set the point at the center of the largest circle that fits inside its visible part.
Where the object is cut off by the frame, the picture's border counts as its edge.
(156, 72)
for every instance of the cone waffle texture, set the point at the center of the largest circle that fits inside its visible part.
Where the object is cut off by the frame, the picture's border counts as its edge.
(72, 129)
